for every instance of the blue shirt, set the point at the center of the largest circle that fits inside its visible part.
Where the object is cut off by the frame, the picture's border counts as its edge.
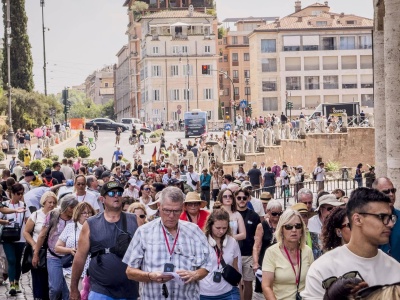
(116, 153)
(393, 247)
(205, 180)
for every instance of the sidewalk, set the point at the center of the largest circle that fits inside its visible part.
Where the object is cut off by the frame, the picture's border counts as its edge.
(25, 286)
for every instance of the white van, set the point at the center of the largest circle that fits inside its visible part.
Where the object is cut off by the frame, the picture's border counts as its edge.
(130, 121)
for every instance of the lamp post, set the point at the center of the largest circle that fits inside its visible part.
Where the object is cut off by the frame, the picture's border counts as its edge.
(44, 49)
(10, 136)
(188, 73)
(247, 93)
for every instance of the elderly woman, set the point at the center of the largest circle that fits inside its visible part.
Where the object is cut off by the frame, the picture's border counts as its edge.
(53, 226)
(40, 285)
(336, 230)
(226, 248)
(192, 210)
(68, 241)
(286, 263)
(264, 237)
(140, 211)
(131, 189)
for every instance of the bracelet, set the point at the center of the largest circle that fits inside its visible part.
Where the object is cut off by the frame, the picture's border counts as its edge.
(148, 275)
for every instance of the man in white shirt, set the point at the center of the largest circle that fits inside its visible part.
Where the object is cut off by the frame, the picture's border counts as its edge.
(319, 173)
(29, 176)
(371, 221)
(192, 177)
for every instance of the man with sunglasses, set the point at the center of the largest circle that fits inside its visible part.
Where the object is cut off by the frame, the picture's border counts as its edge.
(371, 221)
(306, 196)
(106, 237)
(385, 185)
(256, 204)
(251, 221)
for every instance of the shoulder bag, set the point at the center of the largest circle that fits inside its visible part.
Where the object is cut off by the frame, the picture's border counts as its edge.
(230, 274)
(11, 234)
(68, 259)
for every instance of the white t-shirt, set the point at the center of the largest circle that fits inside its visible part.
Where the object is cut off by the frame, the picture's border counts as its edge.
(320, 172)
(207, 286)
(16, 217)
(38, 217)
(89, 198)
(378, 270)
(283, 176)
(192, 176)
(258, 207)
(149, 211)
(314, 224)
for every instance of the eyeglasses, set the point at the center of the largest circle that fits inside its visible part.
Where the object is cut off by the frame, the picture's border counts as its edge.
(80, 183)
(326, 284)
(290, 227)
(227, 196)
(328, 208)
(113, 193)
(142, 216)
(385, 218)
(275, 214)
(388, 191)
(146, 189)
(345, 225)
(239, 198)
(194, 204)
(85, 213)
(19, 194)
(171, 211)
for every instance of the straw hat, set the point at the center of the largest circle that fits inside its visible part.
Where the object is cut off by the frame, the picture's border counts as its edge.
(300, 207)
(193, 197)
(265, 197)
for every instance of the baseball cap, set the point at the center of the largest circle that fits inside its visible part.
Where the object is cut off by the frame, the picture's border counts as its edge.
(69, 182)
(47, 172)
(246, 184)
(111, 185)
(105, 174)
(29, 173)
(132, 181)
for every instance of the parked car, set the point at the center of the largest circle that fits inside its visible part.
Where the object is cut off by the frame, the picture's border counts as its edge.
(106, 124)
(132, 121)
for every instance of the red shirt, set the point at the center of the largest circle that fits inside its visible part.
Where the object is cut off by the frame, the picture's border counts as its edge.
(201, 222)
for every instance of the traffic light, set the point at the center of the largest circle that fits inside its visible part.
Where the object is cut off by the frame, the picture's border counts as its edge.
(205, 69)
(67, 107)
(289, 105)
(65, 96)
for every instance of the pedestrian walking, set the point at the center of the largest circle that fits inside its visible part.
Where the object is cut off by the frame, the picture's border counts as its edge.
(205, 186)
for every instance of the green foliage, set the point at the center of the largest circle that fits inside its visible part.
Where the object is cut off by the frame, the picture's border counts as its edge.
(91, 162)
(20, 57)
(212, 11)
(54, 158)
(47, 162)
(107, 111)
(70, 153)
(2, 156)
(83, 151)
(47, 152)
(37, 165)
(221, 32)
(137, 8)
(21, 155)
(332, 166)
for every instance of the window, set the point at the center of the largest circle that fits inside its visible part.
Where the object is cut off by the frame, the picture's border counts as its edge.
(311, 63)
(328, 43)
(226, 92)
(268, 65)
(367, 100)
(246, 73)
(209, 114)
(156, 95)
(270, 103)
(187, 70)
(269, 85)
(349, 62)
(174, 70)
(311, 82)
(236, 91)
(235, 74)
(321, 23)
(224, 40)
(310, 43)
(155, 50)
(366, 61)
(293, 83)
(207, 49)
(365, 42)
(268, 46)
(351, 22)
(291, 43)
(349, 81)
(246, 56)
(247, 91)
(208, 94)
(106, 84)
(209, 70)
(175, 49)
(330, 63)
(245, 40)
(184, 49)
(156, 71)
(235, 57)
(187, 94)
(234, 40)
(331, 82)
(225, 57)
(293, 64)
(175, 94)
(367, 81)
(347, 42)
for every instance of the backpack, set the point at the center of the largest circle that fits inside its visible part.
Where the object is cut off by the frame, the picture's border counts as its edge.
(48, 183)
(315, 174)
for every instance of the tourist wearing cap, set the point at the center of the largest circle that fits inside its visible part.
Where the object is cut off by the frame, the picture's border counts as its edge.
(193, 210)
(255, 176)
(264, 237)
(131, 189)
(256, 203)
(265, 198)
(305, 215)
(326, 204)
(286, 263)
(99, 237)
(29, 176)
(168, 244)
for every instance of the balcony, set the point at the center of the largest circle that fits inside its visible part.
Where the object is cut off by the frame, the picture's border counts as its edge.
(367, 85)
(349, 86)
(179, 37)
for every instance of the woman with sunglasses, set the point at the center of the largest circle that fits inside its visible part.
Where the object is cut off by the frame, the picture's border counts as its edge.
(264, 237)
(222, 246)
(336, 230)
(140, 211)
(236, 222)
(192, 210)
(286, 263)
(146, 200)
(68, 240)
(14, 250)
(82, 195)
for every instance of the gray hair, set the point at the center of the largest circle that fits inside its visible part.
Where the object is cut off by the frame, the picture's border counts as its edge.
(172, 193)
(274, 204)
(66, 201)
(89, 180)
(305, 192)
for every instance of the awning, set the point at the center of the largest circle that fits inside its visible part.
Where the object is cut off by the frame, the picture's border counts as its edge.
(179, 24)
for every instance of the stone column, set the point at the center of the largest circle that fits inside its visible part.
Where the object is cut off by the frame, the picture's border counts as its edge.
(204, 160)
(287, 131)
(345, 123)
(322, 128)
(260, 137)
(229, 152)
(371, 121)
(277, 134)
(240, 144)
(269, 136)
(250, 143)
(302, 128)
(218, 153)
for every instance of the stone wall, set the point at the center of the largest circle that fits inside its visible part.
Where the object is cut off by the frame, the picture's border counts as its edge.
(349, 149)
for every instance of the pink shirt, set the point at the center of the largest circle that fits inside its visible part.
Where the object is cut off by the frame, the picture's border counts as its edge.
(76, 165)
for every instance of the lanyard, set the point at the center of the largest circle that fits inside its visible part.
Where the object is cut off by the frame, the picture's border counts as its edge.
(219, 255)
(298, 262)
(170, 250)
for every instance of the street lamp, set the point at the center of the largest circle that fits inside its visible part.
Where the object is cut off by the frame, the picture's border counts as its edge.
(247, 93)
(44, 48)
(10, 136)
(187, 74)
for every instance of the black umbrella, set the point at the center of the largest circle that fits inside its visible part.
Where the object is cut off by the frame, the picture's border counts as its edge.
(146, 130)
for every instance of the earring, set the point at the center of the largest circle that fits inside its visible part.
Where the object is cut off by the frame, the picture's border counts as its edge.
(339, 233)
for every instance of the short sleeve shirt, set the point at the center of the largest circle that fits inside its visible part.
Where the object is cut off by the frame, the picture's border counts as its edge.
(16, 217)
(89, 198)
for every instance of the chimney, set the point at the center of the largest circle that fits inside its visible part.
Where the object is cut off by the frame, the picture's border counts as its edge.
(326, 3)
(278, 24)
(297, 6)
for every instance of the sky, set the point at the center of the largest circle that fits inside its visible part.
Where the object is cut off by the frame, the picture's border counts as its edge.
(85, 35)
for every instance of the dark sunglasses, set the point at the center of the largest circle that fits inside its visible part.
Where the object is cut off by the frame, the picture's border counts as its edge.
(326, 284)
(388, 191)
(239, 198)
(290, 227)
(147, 189)
(142, 216)
(113, 193)
(276, 214)
(19, 194)
(329, 208)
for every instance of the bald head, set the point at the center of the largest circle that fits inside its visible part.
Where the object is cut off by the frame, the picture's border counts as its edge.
(385, 185)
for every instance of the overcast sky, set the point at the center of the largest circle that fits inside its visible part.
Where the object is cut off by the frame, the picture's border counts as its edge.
(85, 35)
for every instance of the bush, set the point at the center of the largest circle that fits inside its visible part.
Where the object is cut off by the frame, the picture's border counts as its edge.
(126, 161)
(54, 157)
(21, 155)
(70, 153)
(91, 162)
(2, 156)
(83, 151)
(47, 152)
(37, 165)
(332, 166)
(47, 162)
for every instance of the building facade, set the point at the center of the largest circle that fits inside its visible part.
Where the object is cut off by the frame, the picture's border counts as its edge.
(175, 46)
(99, 86)
(310, 57)
(122, 102)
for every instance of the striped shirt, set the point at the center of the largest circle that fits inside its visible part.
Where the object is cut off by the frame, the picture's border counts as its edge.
(148, 251)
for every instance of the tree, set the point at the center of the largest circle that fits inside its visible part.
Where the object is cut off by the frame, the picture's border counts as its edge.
(107, 110)
(221, 32)
(138, 8)
(21, 57)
